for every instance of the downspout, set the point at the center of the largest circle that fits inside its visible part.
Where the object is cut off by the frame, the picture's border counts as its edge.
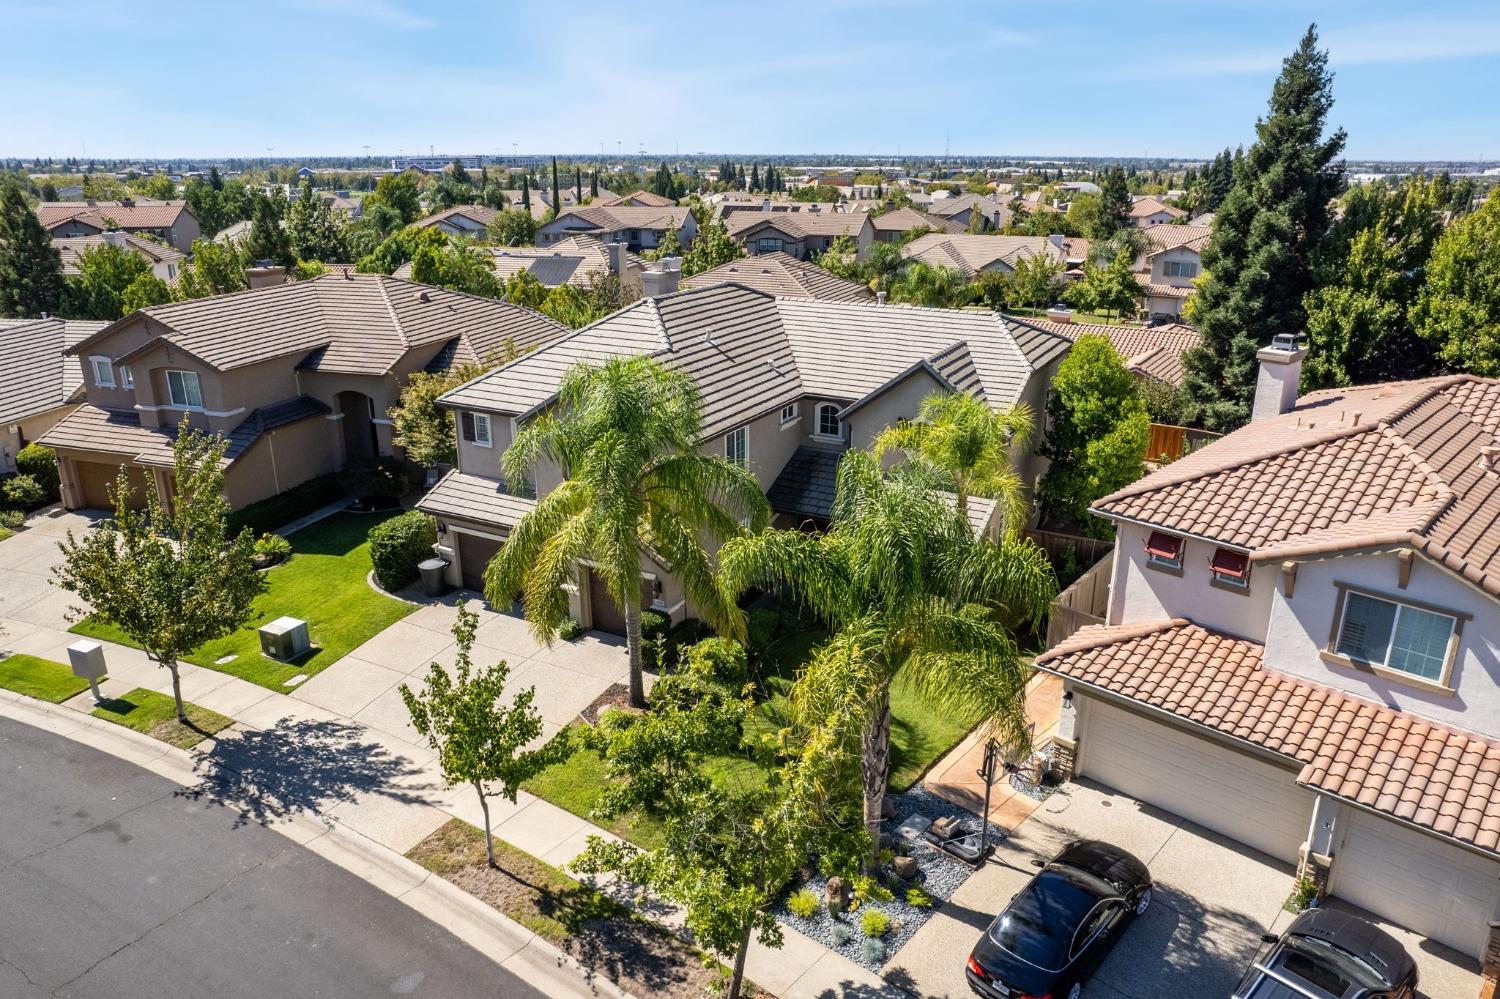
(271, 443)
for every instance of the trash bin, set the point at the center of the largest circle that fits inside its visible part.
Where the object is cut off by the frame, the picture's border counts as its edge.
(432, 576)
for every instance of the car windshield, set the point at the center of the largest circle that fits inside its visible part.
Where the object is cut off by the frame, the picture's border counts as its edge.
(1326, 961)
(1039, 924)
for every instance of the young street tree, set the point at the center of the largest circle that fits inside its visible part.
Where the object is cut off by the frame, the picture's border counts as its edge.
(169, 579)
(905, 588)
(1259, 258)
(626, 435)
(479, 740)
(1097, 434)
(31, 277)
(1458, 310)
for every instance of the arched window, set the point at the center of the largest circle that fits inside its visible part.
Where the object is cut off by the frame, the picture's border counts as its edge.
(829, 424)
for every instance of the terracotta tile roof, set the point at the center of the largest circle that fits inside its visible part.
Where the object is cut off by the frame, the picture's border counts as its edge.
(140, 215)
(971, 253)
(1401, 463)
(1153, 351)
(1142, 207)
(1156, 238)
(1430, 775)
(1162, 290)
(783, 274)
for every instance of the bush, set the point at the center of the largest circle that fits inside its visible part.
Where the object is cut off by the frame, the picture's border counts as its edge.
(40, 462)
(687, 632)
(569, 630)
(870, 890)
(841, 934)
(872, 950)
(11, 520)
(374, 483)
(24, 491)
(721, 658)
(398, 544)
(887, 855)
(272, 548)
(918, 899)
(875, 923)
(803, 904)
(653, 637)
(277, 511)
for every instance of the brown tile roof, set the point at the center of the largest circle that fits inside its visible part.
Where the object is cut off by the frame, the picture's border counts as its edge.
(1142, 207)
(798, 225)
(478, 213)
(1402, 463)
(36, 375)
(639, 199)
(72, 247)
(1153, 351)
(91, 428)
(971, 253)
(1156, 238)
(140, 215)
(906, 219)
(474, 497)
(1429, 775)
(342, 322)
(1162, 290)
(783, 274)
(618, 217)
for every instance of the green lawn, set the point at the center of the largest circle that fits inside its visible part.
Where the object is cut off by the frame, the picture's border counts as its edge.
(921, 734)
(156, 715)
(40, 678)
(6, 532)
(323, 583)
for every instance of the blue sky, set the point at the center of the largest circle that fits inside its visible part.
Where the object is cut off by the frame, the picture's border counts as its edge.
(1087, 78)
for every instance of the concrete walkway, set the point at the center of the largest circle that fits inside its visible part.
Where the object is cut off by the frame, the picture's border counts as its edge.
(339, 751)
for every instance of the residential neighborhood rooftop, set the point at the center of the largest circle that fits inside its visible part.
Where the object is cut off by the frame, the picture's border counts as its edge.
(781, 273)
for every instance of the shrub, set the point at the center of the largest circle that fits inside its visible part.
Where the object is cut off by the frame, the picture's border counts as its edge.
(569, 630)
(872, 950)
(721, 658)
(687, 632)
(803, 904)
(24, 491)
(398, 544)
(272, 547)
(10, 520)
(918, 899)
(654, 624)
(277, 511)
(841, 934)
(40, 462)
(875, 923)
(887, 855)
(374, 482)
(653, 637)
(871, 890)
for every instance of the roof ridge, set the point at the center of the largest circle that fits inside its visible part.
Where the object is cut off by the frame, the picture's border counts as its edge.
(1096, 636)
(390, 307)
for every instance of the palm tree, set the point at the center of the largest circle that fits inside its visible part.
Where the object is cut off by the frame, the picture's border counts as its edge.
(968, 442)
(635, 485)
(907, 589)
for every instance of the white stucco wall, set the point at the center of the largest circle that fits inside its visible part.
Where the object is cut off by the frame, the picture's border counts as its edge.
(1140, 593)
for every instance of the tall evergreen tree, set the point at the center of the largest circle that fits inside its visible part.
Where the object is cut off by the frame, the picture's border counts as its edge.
(31, 278)
(526, 191)
(755, 177)
(1259, 259)
(594, 183)
(1114, 203)
(556, 196)
(577, 183)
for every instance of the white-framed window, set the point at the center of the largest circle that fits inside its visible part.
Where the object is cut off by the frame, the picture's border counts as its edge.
(737, 446)
(183, 390)
(476, 429)
(1164, 551)
(127, 378)
(1179, 268)
(788, 413)
(829, 424)
(1230, 568)
(104, 371)
(1395, 635)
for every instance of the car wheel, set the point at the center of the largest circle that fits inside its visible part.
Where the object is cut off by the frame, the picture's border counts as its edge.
(1075, 991)
(1143, 903)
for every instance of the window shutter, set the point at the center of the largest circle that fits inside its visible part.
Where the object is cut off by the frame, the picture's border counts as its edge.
(1230, 563)
(1164, 546)
(467, 419)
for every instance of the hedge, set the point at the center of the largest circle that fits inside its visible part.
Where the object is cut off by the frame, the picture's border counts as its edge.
(270, 515)
(40, 462)
(398, 544)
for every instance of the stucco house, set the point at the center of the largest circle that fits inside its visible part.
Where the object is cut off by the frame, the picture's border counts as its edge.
(1171, 259)
(165, 261)
(460, 220)
(783, 274)
(972, 254)
(802, 235)
(299, 378)
(787, 384)
(638, 227)
(576, 260)
(1148, 211)
(167, 220)
(1300, 649)
(39, 384)
(892, 226)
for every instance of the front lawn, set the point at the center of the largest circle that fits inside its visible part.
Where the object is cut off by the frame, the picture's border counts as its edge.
(156, 715)
(323, 583)
(40, 678)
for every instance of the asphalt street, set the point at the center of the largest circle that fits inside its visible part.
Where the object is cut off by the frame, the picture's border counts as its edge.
(113, 885)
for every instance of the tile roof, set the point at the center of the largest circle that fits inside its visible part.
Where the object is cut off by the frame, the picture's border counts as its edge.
(1156, 238)
(751, 353)
(477, 213)
(617, 217)
(72, 247)
(1429, 775)
(140, 215)
(92, 428)
(1142, 207)
(963, 202)
(573, 260)
(906, 219)
(783, 274)
(474, 497)
(1404, 463)
(342, 322)
(798, 225)
(638, 199)
(971, 253)
(1153, 351)
(1162, 290)
(36, 375)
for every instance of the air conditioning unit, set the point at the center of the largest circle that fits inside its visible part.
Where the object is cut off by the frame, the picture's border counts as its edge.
(284, 638)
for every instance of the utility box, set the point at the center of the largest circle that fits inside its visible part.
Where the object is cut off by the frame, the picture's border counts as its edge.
(284, 638)
(87, 660)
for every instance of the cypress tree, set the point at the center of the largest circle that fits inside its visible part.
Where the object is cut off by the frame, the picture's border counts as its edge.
(31, 279)
(1259, 259)
(594, 183)
(556, 198)
(577, 183)
(755, 177)
(1114, 203)
(526, 190)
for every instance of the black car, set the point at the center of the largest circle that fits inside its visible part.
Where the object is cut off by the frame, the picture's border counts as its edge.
(1061, 925)
(1327, 954)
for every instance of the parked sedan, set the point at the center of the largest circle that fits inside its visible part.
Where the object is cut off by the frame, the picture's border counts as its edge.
(1057, 929)
(1326, 954)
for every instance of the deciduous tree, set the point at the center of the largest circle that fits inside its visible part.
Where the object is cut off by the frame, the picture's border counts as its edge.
(712, 246)
(1458, 310)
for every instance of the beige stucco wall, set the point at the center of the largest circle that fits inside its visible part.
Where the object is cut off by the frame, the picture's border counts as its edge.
(280, 460)
(15, 436)
(1181, 255)
(476, 459)
(898, 402)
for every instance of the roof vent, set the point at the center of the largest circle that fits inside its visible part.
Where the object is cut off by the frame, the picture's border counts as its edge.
(1491, 455)
(421, 296)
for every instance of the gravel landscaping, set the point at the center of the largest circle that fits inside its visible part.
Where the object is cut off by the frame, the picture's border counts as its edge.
(938, 875)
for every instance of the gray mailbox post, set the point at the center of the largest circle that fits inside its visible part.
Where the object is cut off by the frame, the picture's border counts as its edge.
(87, 659)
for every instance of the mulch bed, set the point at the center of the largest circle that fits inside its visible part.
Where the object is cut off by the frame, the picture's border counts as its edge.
(616, 695)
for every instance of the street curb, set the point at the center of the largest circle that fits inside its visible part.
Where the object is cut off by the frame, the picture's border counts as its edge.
(498, 937)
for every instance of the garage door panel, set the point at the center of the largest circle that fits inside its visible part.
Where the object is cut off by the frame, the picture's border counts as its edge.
(1434, 888)
(1233, 793)
(474, 554)
(97, 478)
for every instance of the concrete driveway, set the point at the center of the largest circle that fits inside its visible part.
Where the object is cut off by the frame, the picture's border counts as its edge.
(1214, 899)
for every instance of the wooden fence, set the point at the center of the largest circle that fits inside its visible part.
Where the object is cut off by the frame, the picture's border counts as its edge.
(1168, 442)
(1086, 550)
(1083, 603)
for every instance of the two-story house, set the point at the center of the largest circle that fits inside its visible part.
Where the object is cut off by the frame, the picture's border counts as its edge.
(1302, 648)
(167, 220)
(638, 227)
(164, 261)
(1170, 261)
(299, 377)
(972, 254)
(803, 235)
(460, 220)
(1147, 211)
(787, 385)
(38, 384)
(892, 226)
(783, 274)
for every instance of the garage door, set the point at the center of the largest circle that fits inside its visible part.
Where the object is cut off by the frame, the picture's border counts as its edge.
(1230, 792)
(1418, 881)
(604, 614)
(474, 553)
(96, 478)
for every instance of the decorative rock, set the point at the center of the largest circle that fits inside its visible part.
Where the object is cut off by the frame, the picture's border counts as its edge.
(905, 867)
(806, 871)
(887, 808)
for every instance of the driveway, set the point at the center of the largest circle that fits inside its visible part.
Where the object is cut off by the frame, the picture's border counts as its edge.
(1214, 899)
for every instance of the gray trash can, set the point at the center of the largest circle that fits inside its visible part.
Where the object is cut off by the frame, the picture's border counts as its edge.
(432, 576)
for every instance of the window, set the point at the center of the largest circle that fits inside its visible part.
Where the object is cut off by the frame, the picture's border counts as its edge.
(104, 372)
(183, 390)
(1164, 551)
(788, 413)
(1179, 268)
(127, 379)
(736, 447)
(769, 244)
(1397, 636)
(1230, 568)
(829, 424)
(476, 428)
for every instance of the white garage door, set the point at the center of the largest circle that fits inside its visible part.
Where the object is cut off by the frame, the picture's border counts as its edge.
(1233, 793)
(1418, 881)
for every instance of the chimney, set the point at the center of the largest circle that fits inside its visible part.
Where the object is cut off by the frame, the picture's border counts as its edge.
(765, 204)
(880, 298)
(614, 254)
(115, 238)
(264, 274)
(660, 279)
(1059, 314)
(1280, 373)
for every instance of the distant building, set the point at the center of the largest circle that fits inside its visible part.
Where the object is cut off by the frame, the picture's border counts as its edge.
(434, 164)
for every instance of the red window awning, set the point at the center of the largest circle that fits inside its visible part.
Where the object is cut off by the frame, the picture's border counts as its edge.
(1230, 563)
(1164, 546)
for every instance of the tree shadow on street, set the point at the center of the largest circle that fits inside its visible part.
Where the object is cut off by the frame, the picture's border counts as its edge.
(299, 766)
